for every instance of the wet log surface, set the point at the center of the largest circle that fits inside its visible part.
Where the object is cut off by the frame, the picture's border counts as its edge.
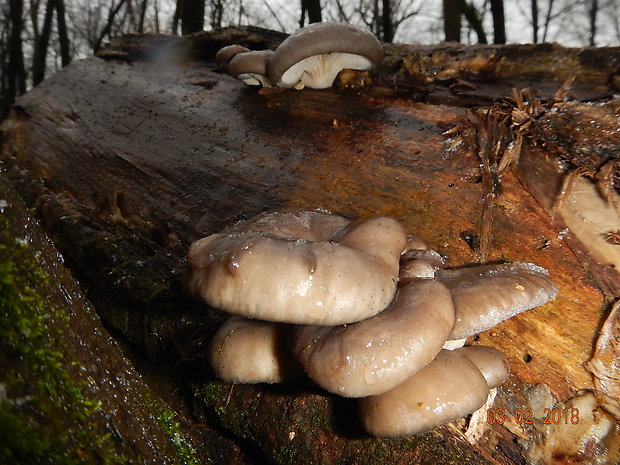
(128, 160)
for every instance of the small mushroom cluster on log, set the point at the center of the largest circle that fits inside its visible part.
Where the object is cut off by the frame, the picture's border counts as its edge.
(363, 310)
(311, 57)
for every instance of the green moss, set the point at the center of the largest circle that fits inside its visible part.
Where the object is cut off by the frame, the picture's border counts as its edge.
(286, 455)
(503, 259)
(45, 415)
(166, 418)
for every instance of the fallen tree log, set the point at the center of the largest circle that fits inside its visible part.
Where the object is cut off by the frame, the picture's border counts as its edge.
(128, 161)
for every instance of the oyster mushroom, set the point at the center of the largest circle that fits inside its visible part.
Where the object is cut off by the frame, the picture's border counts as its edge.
(487, 295)
(302, 267)
(252, 351)
(448, 388)
(251, 67)
(227, 53)
(417, 264)
(375, 355)
(314, 55)
(491, 362)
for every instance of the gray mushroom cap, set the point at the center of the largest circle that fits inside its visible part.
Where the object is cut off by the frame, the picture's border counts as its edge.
(251, 67)
(278, 267)
(377, 354)
(252, 351)
(493, 365)
(415, 264)
(227, 53)
(448, 388)
(315, 54)
(487, 295)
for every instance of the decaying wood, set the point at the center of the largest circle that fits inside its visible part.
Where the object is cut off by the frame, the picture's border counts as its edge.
(128, 161)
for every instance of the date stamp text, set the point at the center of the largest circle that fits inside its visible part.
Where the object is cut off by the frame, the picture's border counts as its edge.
(525, 416)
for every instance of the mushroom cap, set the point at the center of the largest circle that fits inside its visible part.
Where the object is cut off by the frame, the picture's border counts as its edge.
(279, 267)
(493, 365)
(487, 295)
(415, 264)
(377, 354)
(251, 67)
(359, 49)
(252, 351)
(227, 53)
(446, 389)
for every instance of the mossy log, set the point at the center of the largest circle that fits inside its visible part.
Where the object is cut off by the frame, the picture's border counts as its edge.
(129, 159)
(68, 393)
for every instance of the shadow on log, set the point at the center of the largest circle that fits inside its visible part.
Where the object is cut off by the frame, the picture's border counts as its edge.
(130, 157)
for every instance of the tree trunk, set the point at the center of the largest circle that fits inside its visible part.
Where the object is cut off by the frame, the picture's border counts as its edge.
(312, 9)
(592, 16)
(41, 43)
(109, 24)
(548, 17)
(192, 15)
(499, 27)
(16, 71)
(386, 19)
(452, 20)
(534, 10)
(63, 35)
(474, 20)
(127, 165)
(143, 8)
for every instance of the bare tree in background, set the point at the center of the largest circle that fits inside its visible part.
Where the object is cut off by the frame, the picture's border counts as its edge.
(474, 19)
(312, 9)
(382, 17)
(544, 13)
(192, 15)
(42, 39)
(13, 69)
(592, 8)
(452, 20)
(452, 12)
(499, 24)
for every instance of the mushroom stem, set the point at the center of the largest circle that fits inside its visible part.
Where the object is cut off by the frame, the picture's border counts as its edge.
(252, 351)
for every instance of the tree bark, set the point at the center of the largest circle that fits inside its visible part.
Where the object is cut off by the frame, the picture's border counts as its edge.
(452, 20)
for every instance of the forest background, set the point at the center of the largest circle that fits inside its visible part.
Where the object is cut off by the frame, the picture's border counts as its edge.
(38, 37)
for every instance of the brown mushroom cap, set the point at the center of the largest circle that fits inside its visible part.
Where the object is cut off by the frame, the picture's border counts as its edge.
(251, 67)
(375, 355)
(359, 49)
(225, 54)
(252, 351)
(487, 295)
(324, 276)
(493, 365)
(445, 390)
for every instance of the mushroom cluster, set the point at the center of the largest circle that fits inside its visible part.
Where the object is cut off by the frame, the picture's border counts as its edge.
(363, 309)
(310, 57)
